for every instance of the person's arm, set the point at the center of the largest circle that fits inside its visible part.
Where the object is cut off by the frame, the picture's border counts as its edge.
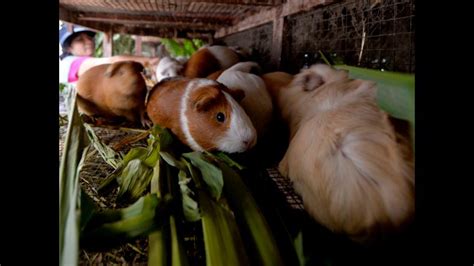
(91, 62)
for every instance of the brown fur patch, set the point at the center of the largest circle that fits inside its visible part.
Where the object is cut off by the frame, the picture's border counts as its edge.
(203, 124)
(164, 108)
(113, 90)
(215, 75)
(164, 104)
(201, 64)
(275, 81)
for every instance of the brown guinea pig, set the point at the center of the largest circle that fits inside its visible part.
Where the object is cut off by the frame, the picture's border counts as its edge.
(208, 60)
(113, 91)
(203, 114)
(343, 156)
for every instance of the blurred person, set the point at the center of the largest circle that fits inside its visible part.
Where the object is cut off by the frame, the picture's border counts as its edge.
(77, 56)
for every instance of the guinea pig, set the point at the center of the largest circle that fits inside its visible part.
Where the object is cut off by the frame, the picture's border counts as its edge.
(209, 59)
(275, 81)
(203, 114)
(257, 103)
(113, 91)
(343, 157)
(168, 67)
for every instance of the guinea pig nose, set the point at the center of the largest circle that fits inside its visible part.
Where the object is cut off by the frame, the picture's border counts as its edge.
(249, 143)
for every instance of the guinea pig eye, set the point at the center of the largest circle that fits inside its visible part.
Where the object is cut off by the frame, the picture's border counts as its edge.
(220, 117)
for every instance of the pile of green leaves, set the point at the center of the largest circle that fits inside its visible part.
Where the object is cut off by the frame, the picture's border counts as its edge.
(164, 190)
(179, 189)
(183, 47)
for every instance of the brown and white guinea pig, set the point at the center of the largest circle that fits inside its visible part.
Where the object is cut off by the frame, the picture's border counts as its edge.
(203, 114)
(343, 157)
(257, 102)
(209, 59)
(112, 91)
(168, 67)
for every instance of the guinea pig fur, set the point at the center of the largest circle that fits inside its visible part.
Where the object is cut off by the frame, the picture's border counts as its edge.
(168, 67)
(209, 59)
(202, 114)
(112, 91)
(257, 103)
(343, 158)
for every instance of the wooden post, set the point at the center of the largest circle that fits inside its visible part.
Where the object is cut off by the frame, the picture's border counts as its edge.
(277, 38)
(107, 44)
(138, 45)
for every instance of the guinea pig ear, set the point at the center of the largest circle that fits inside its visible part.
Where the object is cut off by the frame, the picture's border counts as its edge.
(237, 94)
(308, 81)
(113, 69)
(139, 67)
(202, 98)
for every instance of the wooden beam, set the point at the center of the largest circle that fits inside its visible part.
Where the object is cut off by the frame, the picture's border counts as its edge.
(107, 44)
(138, 45)
(289, 8)
(277, 38)
(139, 3)
(221, 21)
(238, 2)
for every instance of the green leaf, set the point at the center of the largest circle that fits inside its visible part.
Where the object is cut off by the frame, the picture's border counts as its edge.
(395, 92)
(75, 147)
(165, 136)
(253, 221)
(299, 248)
(222, 239)
(211, 175)
(110, 228)
(178, 252)
(171, 160)
(224, 157)
(190, 206)
(134, 179)
(109, 155)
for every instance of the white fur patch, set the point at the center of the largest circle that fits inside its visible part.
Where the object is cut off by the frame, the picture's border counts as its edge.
(192, 85)
(168, 67)
(257, 102)
(241, 129)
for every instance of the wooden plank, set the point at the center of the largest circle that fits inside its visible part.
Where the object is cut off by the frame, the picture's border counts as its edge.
(138, 45)
(107, 44)
(277, 37)
(289, 8)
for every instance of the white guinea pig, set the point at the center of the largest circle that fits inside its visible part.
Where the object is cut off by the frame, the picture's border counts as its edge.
(202, 113)
(168, 67)
(257, 103)
(343, 158)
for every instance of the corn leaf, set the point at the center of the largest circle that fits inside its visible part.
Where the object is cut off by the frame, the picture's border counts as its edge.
(112, 227)
(165, 135)
(190, 206)
(171, 160)
(222, 240)
(395, 91)
(224, 157)
(69, 195)
(158, 247)
(134, 179)
(108, 154)
(178, 253)
(299, 248)
(194, 173)
(245, 208)
(211, 175)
